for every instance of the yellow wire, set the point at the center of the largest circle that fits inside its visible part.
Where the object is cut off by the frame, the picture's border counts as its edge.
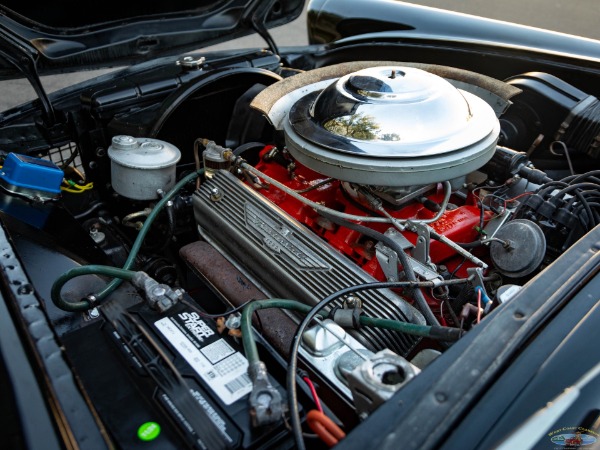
(79, 189)
(72, 187)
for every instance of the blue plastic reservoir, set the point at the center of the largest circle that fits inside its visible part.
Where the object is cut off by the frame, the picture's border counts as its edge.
(30, 173)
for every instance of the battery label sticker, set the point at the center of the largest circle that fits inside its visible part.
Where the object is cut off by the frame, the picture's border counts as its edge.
(217, 351)
(225, 373)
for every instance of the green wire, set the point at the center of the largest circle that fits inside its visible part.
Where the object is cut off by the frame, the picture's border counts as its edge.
(396, 325)
(251, 350)
(92, 269)
(85, 304)
(246, 324)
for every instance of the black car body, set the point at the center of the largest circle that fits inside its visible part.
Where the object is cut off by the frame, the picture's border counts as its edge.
(427, 182)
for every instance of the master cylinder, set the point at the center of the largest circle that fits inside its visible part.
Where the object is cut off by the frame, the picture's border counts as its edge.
(142, 166)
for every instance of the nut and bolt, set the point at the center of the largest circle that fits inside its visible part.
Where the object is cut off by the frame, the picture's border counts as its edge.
(97, 235)
(191, 63)
(233, 322)
(215, 194)
(158, 291)
(352, 302)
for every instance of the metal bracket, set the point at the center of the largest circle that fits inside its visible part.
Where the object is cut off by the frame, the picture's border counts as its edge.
(476, 276)
(496, 223)
(421, 251)
(388, 259)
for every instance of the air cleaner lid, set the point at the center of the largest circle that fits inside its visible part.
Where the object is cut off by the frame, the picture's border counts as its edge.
(378, 123)
(396, 112)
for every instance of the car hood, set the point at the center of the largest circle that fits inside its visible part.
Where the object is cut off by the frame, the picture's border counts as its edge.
(70, 35)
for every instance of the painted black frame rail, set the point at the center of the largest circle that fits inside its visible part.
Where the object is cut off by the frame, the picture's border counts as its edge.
(51, 408)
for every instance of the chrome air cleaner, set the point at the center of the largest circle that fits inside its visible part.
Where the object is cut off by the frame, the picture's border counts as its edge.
(392, 126)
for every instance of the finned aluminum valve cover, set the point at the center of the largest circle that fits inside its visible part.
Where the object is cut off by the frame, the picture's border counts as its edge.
(289, 261)
(392, 126)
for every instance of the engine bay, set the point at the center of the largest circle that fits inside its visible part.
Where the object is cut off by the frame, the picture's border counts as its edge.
(262, 247)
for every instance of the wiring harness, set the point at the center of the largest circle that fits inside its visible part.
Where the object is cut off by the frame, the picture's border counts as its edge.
(566, 208)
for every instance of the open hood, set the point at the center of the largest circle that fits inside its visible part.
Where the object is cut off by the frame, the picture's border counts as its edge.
(70, 35)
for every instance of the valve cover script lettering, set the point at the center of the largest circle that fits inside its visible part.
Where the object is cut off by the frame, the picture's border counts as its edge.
(280, 240)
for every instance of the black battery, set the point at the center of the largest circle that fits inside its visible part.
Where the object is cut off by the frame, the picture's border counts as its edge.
(168, 381)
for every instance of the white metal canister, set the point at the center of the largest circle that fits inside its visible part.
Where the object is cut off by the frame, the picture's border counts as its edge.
(141, 166)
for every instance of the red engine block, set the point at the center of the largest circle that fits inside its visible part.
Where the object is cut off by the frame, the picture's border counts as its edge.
(458, 224)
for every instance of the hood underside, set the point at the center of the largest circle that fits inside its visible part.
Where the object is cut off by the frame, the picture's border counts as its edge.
(69, 35)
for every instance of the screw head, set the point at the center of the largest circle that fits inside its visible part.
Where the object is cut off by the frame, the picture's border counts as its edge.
(93, 313)
(215, 194)
(353, 302)
(158, 291)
